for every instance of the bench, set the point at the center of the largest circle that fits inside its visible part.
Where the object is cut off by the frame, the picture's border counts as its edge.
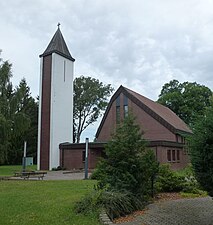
(30, 174)
(4, 178)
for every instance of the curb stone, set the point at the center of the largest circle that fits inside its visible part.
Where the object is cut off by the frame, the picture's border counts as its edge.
(104, 218)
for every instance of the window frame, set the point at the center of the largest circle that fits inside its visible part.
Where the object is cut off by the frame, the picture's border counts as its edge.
(169, 155)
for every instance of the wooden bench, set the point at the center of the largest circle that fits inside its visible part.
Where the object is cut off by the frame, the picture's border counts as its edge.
(30, 174)
(4, 178)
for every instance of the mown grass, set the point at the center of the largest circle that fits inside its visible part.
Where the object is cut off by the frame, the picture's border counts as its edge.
(43, 202)
(9, 170)
(192, 195)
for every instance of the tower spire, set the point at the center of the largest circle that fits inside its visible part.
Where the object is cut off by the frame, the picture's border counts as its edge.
(58, 45)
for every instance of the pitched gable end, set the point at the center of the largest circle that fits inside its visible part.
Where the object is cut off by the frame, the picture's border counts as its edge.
(160, 113)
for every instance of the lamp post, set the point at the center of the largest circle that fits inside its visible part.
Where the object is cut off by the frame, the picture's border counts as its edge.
(86, 159)
(24, 157)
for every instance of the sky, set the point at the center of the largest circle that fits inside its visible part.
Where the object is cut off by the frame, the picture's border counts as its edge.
(140, 44)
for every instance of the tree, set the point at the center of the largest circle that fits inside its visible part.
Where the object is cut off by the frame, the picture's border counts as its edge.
(90, 99)
(129, 165)
(18, 118)
(201, 146)
(187, 100)
(6, 95)
(25, 123)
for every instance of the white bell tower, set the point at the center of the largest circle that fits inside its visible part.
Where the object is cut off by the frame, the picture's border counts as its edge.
(55, 123)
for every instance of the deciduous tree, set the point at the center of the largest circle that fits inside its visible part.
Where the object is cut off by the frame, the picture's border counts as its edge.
(201, 146)
(188, 100)
(90, 99)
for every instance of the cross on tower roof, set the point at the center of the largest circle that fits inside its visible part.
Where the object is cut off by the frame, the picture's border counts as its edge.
(58, 25)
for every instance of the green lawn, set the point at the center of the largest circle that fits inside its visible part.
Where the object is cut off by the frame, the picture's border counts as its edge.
(9, 170)
(43, 202)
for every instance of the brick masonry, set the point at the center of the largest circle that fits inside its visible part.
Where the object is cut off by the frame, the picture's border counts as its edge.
(45, 113)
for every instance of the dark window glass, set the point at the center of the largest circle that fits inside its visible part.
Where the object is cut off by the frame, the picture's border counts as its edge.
(125, 100)
(173, 155)
(118, 114)
(125, 111)
(125, 106)
(118, 101)
(178, 155)
(83, 156)
(169, 155)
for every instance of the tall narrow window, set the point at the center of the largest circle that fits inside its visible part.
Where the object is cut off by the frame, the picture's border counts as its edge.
(83, 156)
(173, 155)
(169, 155)
(178, 155)
(125, 111)
(118, 111)
(118, 114)
(64, 70)
(125, 106)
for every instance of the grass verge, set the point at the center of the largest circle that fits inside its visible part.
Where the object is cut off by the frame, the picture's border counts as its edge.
(193, 195)
(9, 170)
(44, 202)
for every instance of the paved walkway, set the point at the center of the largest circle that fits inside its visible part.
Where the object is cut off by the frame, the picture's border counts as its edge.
(64, 175)
(58, 175)
(197, 211)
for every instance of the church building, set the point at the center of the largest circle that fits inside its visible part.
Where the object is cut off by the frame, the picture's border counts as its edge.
(164, 131)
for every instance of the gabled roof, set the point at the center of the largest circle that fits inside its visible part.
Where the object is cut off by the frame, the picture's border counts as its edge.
(58, 45)
(162, 114)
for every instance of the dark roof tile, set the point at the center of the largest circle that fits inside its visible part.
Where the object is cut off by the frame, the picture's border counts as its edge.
(159, 112)
(165, 113)
(58, 45)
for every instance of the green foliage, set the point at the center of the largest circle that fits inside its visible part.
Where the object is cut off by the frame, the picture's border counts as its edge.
(115, 203)
(125, 175)
(201, 144)
(89, 203)
(129, 164)
(194, 195)
(176, 181)
(18, 118)
(187, 100)
(90, 99)
(168, 180)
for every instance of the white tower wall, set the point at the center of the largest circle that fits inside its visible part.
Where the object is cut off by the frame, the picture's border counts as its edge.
(61, 116)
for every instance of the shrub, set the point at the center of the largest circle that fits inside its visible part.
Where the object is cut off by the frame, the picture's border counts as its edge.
(168, 180)
(176, 181)
(125, 175)
(115, 203)
(89, 203)
(129, 164)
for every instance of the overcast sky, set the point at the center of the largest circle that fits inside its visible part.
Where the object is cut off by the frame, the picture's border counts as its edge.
(140, 44)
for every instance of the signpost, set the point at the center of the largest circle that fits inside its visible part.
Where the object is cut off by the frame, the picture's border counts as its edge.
(86, 159)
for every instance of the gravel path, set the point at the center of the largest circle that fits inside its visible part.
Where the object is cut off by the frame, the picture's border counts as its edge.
(197, 211)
